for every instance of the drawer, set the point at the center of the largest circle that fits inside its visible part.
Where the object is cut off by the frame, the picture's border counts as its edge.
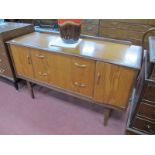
(149, 93)
(144, 125)
(82, 75)
(40, 64)
(146, 110)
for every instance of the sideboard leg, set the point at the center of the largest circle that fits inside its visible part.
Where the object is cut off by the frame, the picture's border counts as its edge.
(30, 88)
(16, 85)
(107, 113)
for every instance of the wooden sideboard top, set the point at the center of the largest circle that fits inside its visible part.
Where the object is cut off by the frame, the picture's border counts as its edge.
(115, 52)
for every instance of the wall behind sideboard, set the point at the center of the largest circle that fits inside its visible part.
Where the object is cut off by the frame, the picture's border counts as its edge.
(122, 29)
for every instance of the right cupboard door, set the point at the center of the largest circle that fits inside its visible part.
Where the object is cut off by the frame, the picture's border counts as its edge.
(113, 84)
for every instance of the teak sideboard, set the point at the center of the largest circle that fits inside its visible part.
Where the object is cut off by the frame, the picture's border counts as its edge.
(102, 71)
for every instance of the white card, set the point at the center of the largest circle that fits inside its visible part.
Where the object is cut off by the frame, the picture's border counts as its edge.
(59, 42)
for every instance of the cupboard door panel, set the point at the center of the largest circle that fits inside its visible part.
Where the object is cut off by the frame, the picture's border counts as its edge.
(22, 60)
(40, 65)
(60, 70)
(113, 84)
(83, 76)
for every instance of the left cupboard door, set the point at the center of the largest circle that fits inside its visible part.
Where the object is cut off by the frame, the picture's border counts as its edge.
(22, 60)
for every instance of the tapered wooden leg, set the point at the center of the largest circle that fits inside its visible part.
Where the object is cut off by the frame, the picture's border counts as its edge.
(107, 113)
(16, 85)
(30, 88)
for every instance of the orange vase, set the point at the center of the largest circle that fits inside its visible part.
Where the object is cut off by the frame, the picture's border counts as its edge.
(70, 30)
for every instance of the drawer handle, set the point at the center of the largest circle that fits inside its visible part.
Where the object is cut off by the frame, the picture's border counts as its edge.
(43, 74)
(0, 60)
(79, 84)
(2, 71)
(29, 59)
(40, 56)
(149, 128)
(98, 77)
(81, 66)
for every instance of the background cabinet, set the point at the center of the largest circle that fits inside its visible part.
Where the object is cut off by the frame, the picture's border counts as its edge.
(10, 30)
(142, 112)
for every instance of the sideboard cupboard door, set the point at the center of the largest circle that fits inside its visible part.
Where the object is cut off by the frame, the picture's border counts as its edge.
(113, 84)
(22, 60)
(40, 65)
(60, 70)
(83, 71)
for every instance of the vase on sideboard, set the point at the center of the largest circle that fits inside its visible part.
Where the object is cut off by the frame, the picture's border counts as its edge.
(70, 30)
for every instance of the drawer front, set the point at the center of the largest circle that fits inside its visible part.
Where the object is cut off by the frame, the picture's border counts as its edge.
(146, 110)
(149, 93)
(83, 76)
(144, 125)
(40, 64)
